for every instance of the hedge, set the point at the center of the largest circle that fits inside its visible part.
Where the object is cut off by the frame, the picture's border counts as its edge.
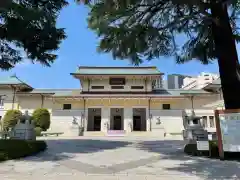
(41, 118)
(14, 149)
(191, 149)
(11, 118)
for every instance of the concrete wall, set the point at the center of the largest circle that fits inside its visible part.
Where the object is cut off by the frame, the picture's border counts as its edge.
(7, 95)
(167, 121)
(107, 87)
(61, 120)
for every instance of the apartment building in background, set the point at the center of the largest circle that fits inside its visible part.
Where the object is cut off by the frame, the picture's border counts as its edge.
(200, 81)
(175, 81)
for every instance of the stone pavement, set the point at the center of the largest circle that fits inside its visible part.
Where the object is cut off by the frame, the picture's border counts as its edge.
(116, 159)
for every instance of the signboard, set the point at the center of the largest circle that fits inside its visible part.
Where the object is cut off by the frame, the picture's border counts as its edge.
(228, 125)
(203, 145)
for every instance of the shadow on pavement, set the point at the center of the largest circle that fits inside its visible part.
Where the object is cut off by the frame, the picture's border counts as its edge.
(202, 167)
(62, 149)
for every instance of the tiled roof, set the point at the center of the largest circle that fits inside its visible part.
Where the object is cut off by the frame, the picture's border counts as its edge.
(156, 93)
(83, 70)
(65, 93)
(53, 91)
(9, 80)
(12, 80)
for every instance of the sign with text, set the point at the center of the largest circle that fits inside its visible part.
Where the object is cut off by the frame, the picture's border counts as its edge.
(228, 130)
(203, 145)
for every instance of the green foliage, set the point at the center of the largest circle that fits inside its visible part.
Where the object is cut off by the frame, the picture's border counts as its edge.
(41, 118)
(11, 118)
(190, 149)
(138, 30)
(14, 149)
(38, 131)
(213, 146)
(36, 31)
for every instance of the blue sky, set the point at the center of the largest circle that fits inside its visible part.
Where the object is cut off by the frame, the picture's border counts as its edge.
(80, 49)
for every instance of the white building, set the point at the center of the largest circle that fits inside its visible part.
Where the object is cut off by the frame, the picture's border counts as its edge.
(199, 81)
(113, 100)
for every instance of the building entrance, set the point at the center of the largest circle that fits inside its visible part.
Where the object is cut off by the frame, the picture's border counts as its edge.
(139, 119)
(116, 119)
(136, 123)
(97, 123)
(94, 119)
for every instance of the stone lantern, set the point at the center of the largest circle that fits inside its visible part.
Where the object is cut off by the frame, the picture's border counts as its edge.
(194, 131)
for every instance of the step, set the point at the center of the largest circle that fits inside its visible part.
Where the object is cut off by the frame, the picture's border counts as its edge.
(116, 133)
(98, 133)
(139, 133)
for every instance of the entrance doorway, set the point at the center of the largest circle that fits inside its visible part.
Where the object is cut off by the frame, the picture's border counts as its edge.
(97, 123)
(116, 119)
(117, 124)
(139, 119)
(136, 123)
(94, 119)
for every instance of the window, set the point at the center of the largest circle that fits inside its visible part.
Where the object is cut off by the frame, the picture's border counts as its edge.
(97, 87)
(166, 106)
(117, 87)
(204, 121)
(67, 106)
(137, 87)
(117, 81)
(212, 123)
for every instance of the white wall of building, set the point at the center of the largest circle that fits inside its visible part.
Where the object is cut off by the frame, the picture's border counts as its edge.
(199, 81)
(147, 85)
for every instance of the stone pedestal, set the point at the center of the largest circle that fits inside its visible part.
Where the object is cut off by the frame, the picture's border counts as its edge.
(23, 131)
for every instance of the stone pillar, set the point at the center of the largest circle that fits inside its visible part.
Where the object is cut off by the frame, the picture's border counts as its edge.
(128, 119)
(105, 122)
(86, 119)
(148, 123)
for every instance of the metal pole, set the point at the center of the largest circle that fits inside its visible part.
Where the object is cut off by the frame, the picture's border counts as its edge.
(42, 99)
(192, 102)
(14, 96)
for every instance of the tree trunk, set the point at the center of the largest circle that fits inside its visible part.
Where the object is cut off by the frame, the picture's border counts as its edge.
(226, 55)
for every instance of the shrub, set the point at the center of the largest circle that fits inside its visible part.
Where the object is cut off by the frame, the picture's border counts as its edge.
(14, 149)
(213, 146)
(191, 149)
(11, 118)
(38, 131)
(41, 118)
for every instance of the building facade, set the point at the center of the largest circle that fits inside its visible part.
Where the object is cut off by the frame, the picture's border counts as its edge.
(199, 81)
(175, 81)
(118, 100)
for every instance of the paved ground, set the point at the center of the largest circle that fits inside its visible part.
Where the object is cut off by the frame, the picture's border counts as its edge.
(117, 159)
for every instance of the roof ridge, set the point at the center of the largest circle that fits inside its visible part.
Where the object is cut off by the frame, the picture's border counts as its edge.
(117, 67)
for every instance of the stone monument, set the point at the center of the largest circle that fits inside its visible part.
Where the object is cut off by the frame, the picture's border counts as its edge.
(194, 131)
(24, 129)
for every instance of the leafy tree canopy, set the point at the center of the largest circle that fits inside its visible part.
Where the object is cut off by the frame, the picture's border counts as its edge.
(147, 29)
(29, 25)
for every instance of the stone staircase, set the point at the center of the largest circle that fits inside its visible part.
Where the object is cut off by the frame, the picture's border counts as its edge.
(94, 133)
